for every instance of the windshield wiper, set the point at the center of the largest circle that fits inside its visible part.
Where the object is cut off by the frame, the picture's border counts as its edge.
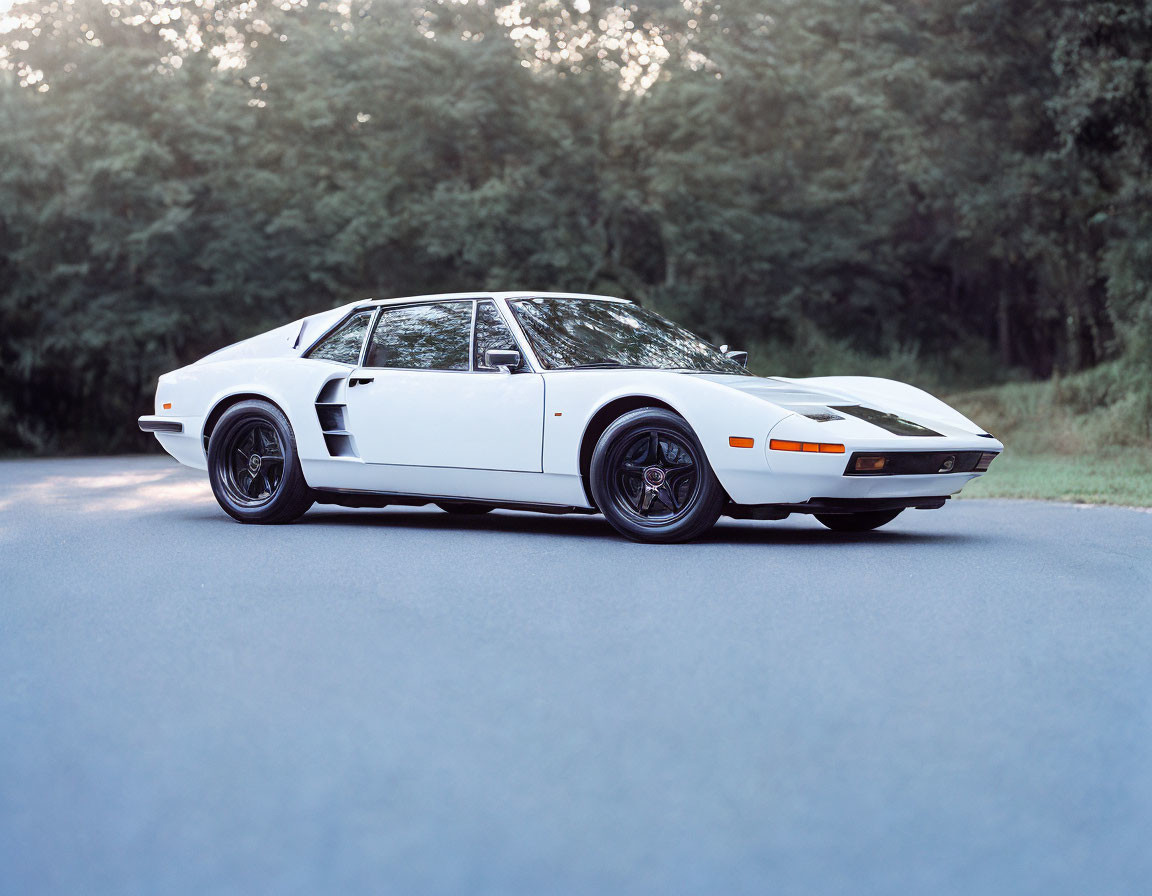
(599, 362)
(614, 365)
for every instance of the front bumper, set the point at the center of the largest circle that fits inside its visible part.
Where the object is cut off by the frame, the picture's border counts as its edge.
(920, 465)
(802, 478)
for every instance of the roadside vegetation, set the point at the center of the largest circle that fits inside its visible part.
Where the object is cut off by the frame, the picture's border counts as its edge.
(1103, 477)
(1082, 438)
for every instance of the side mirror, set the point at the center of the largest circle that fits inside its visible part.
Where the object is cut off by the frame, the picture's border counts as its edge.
(506, 361)
(740, 358)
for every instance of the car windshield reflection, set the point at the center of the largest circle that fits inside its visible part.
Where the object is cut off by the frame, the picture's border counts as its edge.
(587, 334)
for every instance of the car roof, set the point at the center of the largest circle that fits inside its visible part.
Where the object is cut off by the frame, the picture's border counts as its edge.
(482, 294)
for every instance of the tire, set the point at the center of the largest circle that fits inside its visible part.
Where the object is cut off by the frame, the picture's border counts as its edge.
(857, 522)
(267, 488)
(651, 479)
(464, 508)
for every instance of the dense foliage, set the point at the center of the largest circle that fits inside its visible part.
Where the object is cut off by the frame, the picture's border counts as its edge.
(967, 185)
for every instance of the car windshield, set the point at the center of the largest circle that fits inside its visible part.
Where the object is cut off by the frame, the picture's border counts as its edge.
(590, 333)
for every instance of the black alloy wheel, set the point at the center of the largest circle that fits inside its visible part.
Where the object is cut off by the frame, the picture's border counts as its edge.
(651, 478)
(253, 465)
(857, 522)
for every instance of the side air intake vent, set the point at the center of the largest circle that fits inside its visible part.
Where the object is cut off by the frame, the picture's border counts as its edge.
(331, 392)
(332, 413)
(331, 417)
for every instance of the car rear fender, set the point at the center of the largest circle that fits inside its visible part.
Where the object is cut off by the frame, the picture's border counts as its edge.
(197, 395)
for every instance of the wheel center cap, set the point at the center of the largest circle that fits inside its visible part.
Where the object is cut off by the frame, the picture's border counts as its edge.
(254, 463)
(654, 476)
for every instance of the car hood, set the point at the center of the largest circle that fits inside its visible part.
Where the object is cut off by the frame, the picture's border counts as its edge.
(775, 390)
(871, 399)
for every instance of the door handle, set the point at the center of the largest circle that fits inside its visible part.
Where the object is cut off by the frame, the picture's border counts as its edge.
(359, 381)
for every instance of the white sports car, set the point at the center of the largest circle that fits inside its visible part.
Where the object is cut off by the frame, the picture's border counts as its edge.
(550, 402)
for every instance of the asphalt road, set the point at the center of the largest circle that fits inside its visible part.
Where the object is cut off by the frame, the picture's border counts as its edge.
(404, 702)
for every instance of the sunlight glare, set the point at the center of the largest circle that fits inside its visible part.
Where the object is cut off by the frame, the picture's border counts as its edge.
(129, 492)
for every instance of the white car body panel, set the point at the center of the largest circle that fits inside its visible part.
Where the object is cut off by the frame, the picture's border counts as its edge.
(416, 418)
(516, 438)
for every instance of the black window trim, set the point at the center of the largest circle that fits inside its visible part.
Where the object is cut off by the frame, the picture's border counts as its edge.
(525, 359)
(368, 338)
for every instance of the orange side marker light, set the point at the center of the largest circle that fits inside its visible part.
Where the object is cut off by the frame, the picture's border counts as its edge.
(741, 442)
(167, 406)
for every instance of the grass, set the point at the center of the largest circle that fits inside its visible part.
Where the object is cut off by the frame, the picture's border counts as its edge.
(1085, 438)
(1120, 479)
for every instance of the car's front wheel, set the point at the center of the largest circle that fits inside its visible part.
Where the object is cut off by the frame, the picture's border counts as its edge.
(857, 522)
(253, 465)
(651, 478)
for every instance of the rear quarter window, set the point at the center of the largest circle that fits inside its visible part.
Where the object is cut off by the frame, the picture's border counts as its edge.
(343, 344)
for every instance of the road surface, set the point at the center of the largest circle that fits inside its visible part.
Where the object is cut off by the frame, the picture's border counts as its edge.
(401, 701)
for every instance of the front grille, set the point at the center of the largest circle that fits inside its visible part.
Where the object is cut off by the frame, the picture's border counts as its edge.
(916, 463)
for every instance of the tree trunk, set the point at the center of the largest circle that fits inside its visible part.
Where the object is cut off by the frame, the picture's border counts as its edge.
(1004, 326)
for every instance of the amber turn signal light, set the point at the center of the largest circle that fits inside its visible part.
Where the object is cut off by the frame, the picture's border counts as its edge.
(167, 405)
(869, 463)
(741, 442)
(814, 447)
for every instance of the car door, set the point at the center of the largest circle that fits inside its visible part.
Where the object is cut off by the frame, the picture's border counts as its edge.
(424, 398)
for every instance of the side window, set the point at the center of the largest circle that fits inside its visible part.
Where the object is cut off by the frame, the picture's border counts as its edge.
(492, 334)
(344, 343)
(422, 337)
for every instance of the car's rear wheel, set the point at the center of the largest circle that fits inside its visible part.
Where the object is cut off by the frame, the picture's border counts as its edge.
(464, 508)
(651, 478)
(253, 465)
(857, 522)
